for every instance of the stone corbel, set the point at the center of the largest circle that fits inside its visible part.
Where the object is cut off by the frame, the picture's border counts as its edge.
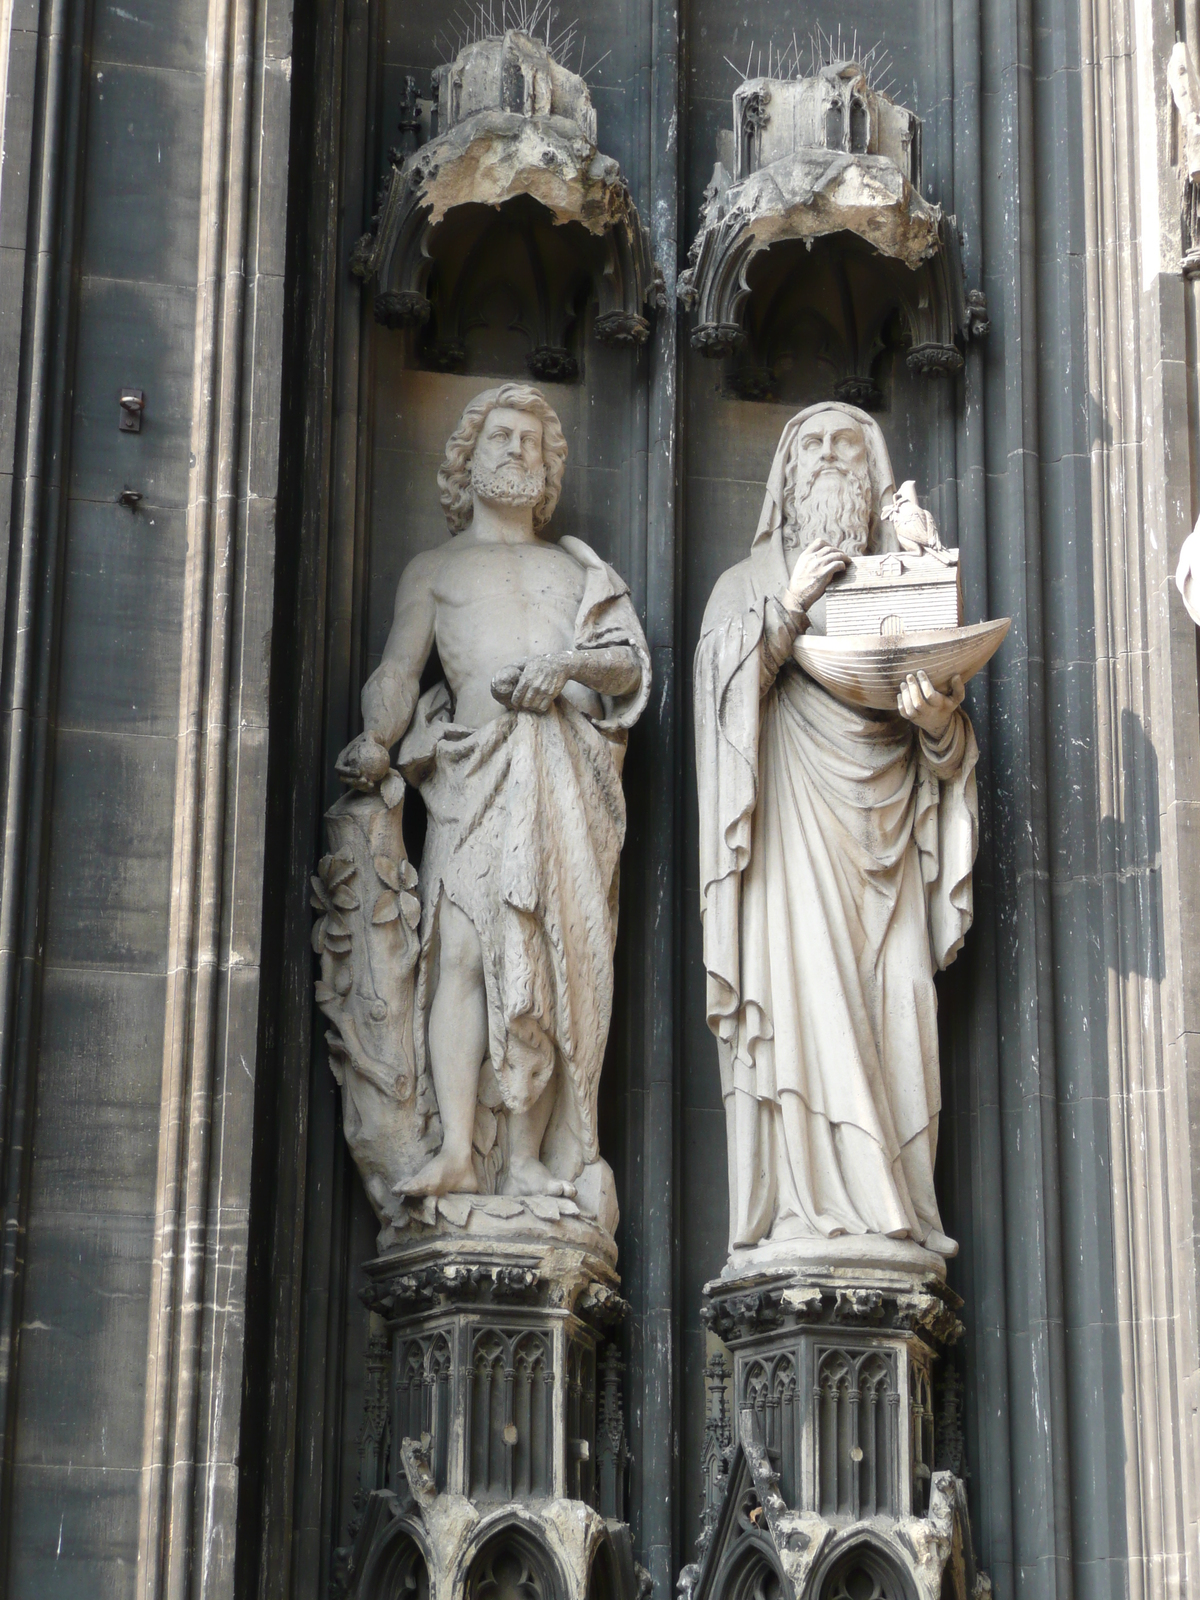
(513, 123)
(792, 181)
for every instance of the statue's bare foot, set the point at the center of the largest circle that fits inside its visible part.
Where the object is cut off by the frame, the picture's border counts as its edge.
(442, 1175)
(528, 1176)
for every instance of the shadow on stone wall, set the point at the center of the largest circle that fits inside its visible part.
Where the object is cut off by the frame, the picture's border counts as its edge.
(1130, 854)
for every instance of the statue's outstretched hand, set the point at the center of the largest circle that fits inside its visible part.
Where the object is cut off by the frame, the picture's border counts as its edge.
(931, 710)
(365, 762)
(532, 685)
(817, 565)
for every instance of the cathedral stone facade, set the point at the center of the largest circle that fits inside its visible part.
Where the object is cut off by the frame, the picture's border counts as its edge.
(600, 766)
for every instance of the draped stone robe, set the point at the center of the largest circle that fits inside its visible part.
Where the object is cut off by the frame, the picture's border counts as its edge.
(526, 819)
(836, 849)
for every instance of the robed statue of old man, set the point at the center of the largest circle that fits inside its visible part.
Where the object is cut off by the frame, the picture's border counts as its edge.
(836, 849)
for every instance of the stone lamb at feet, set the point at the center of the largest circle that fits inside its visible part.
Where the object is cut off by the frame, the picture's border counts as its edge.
(518, 756)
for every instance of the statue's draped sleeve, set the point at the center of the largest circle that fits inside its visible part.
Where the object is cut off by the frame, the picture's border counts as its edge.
(727, 704)
(605, 620)
(946, 830)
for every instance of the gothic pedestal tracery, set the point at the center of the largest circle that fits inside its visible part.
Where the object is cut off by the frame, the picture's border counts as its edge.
(826, 1455)
(494, 1452)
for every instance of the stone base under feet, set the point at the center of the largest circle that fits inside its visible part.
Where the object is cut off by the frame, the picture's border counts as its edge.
(502, 1222)
(853, 1253)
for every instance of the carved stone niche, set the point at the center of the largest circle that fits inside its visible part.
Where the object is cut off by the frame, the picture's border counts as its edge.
(493, 239)
(1185, 92)
(829, 1472)
(493, 1445)
(816, 247)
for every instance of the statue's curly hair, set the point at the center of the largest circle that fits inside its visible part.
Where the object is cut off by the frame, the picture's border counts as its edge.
(454, 474)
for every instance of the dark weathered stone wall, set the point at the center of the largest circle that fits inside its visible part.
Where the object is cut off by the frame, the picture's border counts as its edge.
(138, 161)
(154, 661)
(127, 223)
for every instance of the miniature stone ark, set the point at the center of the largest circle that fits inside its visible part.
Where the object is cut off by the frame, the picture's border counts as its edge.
(889, 615)
(837, 844)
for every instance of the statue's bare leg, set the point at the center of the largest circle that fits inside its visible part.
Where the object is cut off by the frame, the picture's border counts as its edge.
(458, 1035)
(526, 1174)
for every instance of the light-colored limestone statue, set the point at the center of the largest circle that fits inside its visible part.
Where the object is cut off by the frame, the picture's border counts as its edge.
(1187, 573)
(836, 851)
(517, 753)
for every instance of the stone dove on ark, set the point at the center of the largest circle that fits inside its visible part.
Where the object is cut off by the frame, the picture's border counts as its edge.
(916, 531)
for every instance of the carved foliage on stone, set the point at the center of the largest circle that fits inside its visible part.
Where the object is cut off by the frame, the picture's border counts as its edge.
(417, 1541)
(366, 934)
(717, 1451)
(761, 1550)
(828, 1483)
(612, 1449)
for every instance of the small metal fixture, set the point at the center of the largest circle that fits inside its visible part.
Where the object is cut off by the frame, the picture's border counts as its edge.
(130, 497)
(133, 403)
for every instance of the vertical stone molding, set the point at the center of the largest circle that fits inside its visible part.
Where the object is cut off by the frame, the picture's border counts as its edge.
(1139, 316)
(195, 1355)
(40, 126)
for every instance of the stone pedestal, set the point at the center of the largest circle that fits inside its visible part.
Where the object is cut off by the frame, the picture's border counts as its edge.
(494, 1436)
(821, 1463)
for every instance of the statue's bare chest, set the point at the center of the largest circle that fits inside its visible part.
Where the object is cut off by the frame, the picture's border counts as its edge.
(502, 581)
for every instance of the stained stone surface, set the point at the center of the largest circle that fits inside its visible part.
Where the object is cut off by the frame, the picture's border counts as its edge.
(1058, 462)
(471, 999)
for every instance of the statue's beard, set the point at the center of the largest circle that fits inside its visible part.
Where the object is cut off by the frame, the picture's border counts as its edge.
(509, 484)
(832, 504)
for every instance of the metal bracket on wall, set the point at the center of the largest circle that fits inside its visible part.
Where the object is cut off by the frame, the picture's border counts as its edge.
(133, 403)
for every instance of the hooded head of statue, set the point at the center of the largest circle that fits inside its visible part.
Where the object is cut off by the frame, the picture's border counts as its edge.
(831, 479)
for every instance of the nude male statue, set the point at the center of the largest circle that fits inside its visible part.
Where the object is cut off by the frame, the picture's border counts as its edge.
(518, 757)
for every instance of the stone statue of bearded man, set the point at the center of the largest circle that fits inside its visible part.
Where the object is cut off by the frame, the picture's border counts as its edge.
(517, 752)
(836, 850)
